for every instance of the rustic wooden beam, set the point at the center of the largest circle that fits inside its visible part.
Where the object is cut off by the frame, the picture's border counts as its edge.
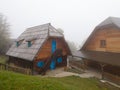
(32, 69)
(102, 69)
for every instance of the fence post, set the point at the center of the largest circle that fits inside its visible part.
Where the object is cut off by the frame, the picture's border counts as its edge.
(5, 66)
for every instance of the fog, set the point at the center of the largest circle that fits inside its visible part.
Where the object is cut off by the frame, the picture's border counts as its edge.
(77, 18)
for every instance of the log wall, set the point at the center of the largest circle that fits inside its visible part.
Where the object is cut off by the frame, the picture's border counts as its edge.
(111, 77)
(45, 51)
(20, 62)
(112, 37)
(115, 70)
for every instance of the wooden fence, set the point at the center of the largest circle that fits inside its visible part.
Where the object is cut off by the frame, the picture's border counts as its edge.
(77, 64)
(111, 77)
(15, 69)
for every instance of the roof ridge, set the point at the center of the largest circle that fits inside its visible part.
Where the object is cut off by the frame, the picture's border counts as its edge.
(116, 21)
(38, 26)
(41, 33)
(110, 20)
(57, 30)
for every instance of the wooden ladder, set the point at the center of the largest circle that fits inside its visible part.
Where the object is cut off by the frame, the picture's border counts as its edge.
(54, 56)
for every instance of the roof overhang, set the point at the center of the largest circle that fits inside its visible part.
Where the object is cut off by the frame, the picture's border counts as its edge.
(101, 57)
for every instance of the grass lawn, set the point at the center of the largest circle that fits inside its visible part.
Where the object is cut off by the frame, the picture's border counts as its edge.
(15, 81)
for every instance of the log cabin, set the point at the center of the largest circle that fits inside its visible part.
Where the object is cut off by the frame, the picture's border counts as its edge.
(101, 50)
(39, 48)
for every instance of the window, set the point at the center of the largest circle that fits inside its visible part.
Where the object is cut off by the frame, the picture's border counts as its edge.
(102, 43)
(17, 44)
(29, 44)
(40, 64)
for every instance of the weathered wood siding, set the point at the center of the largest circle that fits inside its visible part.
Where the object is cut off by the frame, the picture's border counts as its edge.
(112, 37)
(113, 41)
(46, 51)
(20, 62)
(111, 77)
(112, 69)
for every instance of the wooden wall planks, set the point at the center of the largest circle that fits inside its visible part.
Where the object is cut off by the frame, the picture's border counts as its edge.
(112, 37)
(45, 51)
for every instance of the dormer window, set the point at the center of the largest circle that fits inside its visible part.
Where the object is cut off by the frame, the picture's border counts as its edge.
(29, 43)
(19, 42)
(102, 43)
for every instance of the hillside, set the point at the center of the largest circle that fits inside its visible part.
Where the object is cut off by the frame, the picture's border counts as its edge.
(15, 81)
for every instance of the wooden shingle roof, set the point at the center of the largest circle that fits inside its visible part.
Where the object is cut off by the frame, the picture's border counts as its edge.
(39, 34)
(109, 21)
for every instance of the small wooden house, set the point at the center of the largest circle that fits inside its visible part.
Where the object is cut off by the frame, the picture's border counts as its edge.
(102, 49)
(39, 48)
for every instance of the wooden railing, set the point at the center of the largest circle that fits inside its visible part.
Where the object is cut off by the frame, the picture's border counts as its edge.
(111, 77)
(15, 69)
(54, 56)
(77, 64)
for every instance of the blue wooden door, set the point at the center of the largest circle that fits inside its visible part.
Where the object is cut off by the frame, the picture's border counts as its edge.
(53, 46)
(53, 63)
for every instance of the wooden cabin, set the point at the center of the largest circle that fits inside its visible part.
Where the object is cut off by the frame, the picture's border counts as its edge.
(101, 50)
(39, 48)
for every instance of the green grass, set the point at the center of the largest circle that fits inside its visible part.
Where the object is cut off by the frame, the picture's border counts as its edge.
(15, 81)
(3, 59)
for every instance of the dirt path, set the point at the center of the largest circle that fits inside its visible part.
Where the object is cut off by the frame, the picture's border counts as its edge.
(59, 72)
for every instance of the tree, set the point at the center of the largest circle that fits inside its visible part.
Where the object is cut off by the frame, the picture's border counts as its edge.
(4, 34)
(72, 45)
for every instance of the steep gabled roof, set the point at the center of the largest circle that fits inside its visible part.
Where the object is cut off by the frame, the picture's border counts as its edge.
(40, 34)
(109, 22)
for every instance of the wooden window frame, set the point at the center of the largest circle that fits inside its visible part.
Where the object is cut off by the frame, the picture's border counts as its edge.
(102, 43)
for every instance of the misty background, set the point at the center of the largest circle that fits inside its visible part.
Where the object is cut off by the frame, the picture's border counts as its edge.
(77, 18)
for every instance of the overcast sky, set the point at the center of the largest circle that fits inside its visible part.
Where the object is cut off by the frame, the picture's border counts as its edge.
(77, 18)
